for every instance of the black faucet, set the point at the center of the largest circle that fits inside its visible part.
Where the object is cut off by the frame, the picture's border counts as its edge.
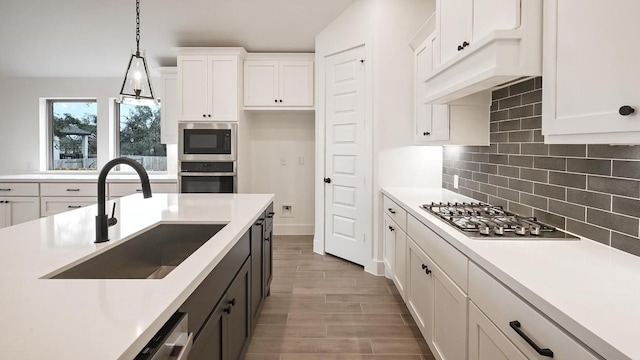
(102, 221)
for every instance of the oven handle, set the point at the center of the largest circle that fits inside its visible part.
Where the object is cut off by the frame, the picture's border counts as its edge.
(207, 174)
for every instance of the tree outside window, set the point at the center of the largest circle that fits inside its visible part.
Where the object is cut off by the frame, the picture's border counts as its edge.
(139, 135)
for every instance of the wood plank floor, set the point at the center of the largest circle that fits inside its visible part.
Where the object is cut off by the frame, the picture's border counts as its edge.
(322, 307)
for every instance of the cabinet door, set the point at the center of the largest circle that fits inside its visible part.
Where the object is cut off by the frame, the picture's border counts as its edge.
(261, 83)
(192, 88)
(169, 109)
(223, 88)
(420, 289)
(454, 23)
(55, 205)
(5, 214)
(22, 209)
(208, 344)
(590, 72)
(256, 268)
(449, 317)
(267, 260)
(400, 271)
(296, 83)
(431, 121)
(486, 342)
(237, 324)
(491, 15)
(389, 246)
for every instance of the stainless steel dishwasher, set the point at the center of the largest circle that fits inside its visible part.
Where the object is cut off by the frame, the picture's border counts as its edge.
(172, 342)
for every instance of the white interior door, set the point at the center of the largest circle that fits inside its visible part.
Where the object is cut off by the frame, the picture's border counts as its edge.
(347, 160)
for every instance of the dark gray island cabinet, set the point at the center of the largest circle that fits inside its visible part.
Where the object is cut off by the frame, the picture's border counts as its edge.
(224, 309)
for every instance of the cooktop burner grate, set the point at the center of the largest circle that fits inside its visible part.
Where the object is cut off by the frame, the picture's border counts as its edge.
(481, 220)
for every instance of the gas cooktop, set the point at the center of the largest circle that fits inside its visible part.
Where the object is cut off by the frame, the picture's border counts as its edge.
(480, 220)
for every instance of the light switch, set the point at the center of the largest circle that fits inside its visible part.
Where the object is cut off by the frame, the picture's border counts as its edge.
(300, 160)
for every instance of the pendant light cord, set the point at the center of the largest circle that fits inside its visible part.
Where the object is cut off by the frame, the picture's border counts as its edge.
(138, 27)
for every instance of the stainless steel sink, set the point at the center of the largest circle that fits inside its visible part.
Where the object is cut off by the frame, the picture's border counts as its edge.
(150, 255)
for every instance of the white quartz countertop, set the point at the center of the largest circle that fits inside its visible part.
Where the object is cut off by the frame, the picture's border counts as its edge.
(589, 289)
(105, 319)
(84, 177)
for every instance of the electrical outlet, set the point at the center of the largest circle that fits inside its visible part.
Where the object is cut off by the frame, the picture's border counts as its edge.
(456, 179)
(287, 211)
(283, 161)
(300, 160)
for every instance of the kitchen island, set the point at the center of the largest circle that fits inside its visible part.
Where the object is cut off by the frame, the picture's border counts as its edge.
(45, 318)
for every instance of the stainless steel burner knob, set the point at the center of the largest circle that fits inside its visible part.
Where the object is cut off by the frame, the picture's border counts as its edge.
(521, 230)
(535, 230)
(484, 229)
(498, 230)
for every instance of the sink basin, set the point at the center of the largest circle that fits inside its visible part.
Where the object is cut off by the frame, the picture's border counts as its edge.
(150, 255)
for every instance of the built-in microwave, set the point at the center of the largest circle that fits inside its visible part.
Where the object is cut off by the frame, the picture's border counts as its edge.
(207, 141)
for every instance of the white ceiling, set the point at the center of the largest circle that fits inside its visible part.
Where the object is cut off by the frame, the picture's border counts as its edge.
(93, 38)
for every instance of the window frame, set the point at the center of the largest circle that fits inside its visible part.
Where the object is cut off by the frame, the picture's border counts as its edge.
(115, 134)
(49, 103)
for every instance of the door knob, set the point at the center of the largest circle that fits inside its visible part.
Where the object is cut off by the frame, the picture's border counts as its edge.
(327, 180)
(626, 110)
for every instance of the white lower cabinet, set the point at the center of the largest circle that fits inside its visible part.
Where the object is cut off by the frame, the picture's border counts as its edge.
(16, 210)
(19, 202)
(117, 190)
(486, 342)
(52, 205)
(524, 327)
(438, 305)
(389, 247)
(394, 254)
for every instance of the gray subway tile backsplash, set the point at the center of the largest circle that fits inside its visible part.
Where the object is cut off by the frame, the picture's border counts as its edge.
(590, 190)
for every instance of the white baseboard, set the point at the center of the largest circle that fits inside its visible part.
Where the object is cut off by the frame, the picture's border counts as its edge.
(375, 268)
(292, 229)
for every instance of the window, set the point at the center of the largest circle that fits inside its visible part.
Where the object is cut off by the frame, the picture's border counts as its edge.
(72, 135)
(138, 135)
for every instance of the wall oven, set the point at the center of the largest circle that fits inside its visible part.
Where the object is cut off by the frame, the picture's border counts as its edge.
(207, 141)
(207, 177)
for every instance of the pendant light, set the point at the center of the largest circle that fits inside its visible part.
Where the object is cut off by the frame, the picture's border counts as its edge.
(136, 87)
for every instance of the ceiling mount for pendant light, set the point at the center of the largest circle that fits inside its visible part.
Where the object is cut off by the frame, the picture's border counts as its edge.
(136, 86)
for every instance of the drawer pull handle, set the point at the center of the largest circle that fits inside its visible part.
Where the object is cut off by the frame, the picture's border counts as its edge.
(138, 190)
(227, 309)
(74, 206)
(5, 189)
(270, 215)
(391, 210)
(515, 325)
(232, 302)
(426, 269)
(391, 228)
(73, 190)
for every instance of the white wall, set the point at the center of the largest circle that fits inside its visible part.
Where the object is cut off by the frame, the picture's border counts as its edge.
(19, 116)
(276, 136)
(385, 28)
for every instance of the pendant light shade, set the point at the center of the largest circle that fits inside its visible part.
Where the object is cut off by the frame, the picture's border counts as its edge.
(136, 86)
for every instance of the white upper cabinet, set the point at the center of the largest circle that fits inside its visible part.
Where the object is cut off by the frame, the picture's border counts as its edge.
(208, 83)
(481, 44)
(591, 74)
(464, 122)
(169, 105)
(279, 81)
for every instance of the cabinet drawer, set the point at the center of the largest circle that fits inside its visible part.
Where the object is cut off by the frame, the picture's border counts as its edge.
(69, 189)
(503, 308)
(19, 189)
(398, 214)
(452, 261)
(124, 189)
(55, 205)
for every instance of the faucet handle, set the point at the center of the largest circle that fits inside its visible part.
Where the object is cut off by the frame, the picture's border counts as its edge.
(112, 220)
